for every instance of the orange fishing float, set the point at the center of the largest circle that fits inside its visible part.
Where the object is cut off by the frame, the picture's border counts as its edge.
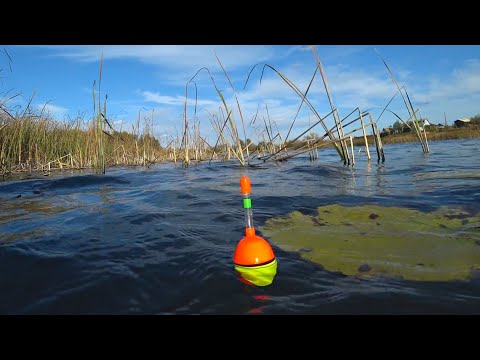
(253, 258)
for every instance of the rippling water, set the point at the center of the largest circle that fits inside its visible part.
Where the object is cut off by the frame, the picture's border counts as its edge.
(161, 240)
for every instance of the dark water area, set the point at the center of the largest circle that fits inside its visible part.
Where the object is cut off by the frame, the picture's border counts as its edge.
(161, 240)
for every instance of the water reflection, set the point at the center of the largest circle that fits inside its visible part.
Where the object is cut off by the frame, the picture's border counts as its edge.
(368, 179)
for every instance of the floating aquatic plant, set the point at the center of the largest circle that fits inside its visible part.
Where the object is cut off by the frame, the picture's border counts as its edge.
(373, 240)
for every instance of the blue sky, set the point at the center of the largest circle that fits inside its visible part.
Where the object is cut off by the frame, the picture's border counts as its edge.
(440, 80)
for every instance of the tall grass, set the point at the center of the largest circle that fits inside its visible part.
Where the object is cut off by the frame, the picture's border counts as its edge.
(30, 141)
(421, 134)
(42, 144)
(226, 124)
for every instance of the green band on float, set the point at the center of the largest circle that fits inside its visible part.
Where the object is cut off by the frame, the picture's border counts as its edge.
(247, 203)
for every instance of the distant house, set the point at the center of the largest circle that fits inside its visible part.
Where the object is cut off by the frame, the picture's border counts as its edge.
(424, 122)
(462, 122)
(421, 123)
(386, 131)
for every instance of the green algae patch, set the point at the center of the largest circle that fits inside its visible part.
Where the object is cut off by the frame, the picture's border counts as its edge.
(372, 240)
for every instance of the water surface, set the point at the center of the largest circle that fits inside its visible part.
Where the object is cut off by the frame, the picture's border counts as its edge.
(161, 240)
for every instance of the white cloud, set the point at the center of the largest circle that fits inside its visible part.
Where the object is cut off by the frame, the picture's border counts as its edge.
(457, 93)
(55, 111)
(331, 52)
(462, 82)
(348, 87)
(172, 56)
(174, 100)
(342, 53)
(343, 81)
(358, 82)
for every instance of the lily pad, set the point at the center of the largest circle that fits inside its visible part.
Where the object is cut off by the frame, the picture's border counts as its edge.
(373, 240)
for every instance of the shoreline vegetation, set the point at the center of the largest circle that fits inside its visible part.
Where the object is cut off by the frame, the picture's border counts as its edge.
(33, 142)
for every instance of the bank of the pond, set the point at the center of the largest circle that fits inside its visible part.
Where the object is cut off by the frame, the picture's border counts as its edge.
(37, 149)
(451, 134)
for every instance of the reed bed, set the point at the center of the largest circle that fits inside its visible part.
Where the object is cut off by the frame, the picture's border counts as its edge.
(34, 142)
(42, 144)
(272, 144)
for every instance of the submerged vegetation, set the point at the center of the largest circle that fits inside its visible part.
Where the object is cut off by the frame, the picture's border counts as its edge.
(373, 240)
